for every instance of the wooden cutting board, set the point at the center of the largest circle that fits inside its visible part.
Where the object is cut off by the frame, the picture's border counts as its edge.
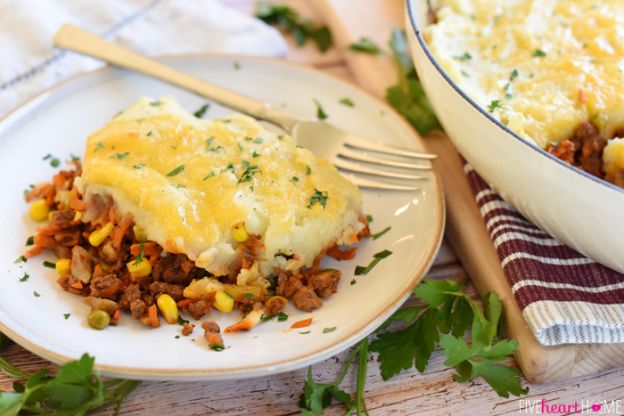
(351, 19)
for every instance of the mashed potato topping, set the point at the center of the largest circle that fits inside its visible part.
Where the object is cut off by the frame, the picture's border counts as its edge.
(542, 67)
(187, 182)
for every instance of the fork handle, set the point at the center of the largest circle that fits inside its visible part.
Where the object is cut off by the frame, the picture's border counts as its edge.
(79, 40)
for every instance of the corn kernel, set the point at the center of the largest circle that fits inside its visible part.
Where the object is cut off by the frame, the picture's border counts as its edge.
(167, 308)
(140, 269)
(63, 267)
(239, 233)
(97, 237)
(223, 302)
(139, 234)
(39, 210)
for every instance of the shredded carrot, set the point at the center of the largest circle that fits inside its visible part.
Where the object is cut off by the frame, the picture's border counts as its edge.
(302, 324)
(184, 302)
(121, 231)
(116, 316)
(213, 339)
(77, 285)
(152, 316)
(34, 251)
(78, 205)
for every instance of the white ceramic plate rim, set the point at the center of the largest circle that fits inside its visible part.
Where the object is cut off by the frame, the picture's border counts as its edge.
(487, 115)
(251, 370)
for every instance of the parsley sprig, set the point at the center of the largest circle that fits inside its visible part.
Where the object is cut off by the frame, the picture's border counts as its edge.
(408, 96)
(443, 319)
(290, 21)
(365, 45)
(75, 390)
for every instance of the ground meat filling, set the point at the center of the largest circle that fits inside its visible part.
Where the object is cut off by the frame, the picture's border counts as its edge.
(100, 271)
(583, 150)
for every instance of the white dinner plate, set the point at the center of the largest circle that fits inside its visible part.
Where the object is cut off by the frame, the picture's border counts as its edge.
(58, 121)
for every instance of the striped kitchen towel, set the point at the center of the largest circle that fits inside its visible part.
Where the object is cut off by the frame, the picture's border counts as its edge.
(565, 297)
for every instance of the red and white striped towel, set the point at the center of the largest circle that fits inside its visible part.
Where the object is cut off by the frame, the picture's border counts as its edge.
(565, 297)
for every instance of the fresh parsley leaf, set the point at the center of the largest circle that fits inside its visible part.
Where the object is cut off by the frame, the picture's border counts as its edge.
(377, 257)
(494, 104)
(514, 74)
(248, 170)
(380, 233)
(258, 140)
(35, 293)
(21, 259)
(318, 197)
(265, 318)
(217, 347)
(139, 258)
(282, 316)
(176, 171)
(365, 45)
(66, 316)
(49, 264)
(210, 175)
(289, 20)
(182, 321)
(55, 163)
(320, 113)
(369, 218)
(308, 170)
(329, 329)
(407, 96)
(304, 332)
(24, 278)
(538, 53)
(176, 337)
(201, 111)
(347, 101)
(30, 240)
(121, 155)
(156, 103)
(463, 57)
(249, 296)
(255, 154)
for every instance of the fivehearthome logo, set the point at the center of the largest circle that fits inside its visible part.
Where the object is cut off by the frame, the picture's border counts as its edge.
(581, 407)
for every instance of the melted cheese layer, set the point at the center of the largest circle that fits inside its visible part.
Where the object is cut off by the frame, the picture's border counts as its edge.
(541, 66)
(187, 181)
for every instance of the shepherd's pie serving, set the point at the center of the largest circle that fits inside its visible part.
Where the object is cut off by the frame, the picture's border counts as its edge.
(209, 213)
(553, 71)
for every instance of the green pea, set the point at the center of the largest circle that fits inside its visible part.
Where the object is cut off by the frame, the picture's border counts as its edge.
(98, 319)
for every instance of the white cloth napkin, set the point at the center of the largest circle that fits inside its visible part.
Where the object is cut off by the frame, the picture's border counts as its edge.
(30, 64)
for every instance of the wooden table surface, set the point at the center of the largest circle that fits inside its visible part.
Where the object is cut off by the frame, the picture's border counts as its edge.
(410, 393)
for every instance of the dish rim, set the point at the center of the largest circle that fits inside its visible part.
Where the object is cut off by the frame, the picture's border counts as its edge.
(488, 116)
(249, 371)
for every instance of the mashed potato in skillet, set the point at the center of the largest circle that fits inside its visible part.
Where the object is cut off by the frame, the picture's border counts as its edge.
(188, 182)
(543, 68)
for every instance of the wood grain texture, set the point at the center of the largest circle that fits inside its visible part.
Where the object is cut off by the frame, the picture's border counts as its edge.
(410, 393)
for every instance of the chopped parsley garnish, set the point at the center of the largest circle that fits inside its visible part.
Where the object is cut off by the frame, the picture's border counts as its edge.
(46, 157)
(216, 347)
(347, 101)
(249, 169)
(176, 171)
(380, 233)
(369, 218)
(365, 45)
(24, 278)
(229, 167)
(201, 111)
(139, 258)
(66, 315)
(236, 65)
(463, 57)
(176, 337)
(290, 21)
(182, 321)
(494, 105)
(282, 316)
(49, 264)
(36, 294)
(258, 140)
(255, 154)
(30, 240)
(240, 147)
(305, 332)
(320, 113)
(514, 74)
(74, 157)
(155, 103)
(353, 281)
(121, 155)
(265, 318)
(308, 170)
(318, 197)
(139, 166)
(209, 145)
(249, 296)
(295, 179)
(55, 163)
(377, 257)
(538, 53)
(210, 175)
(21, 259)
(329, 329)
(99, 146)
